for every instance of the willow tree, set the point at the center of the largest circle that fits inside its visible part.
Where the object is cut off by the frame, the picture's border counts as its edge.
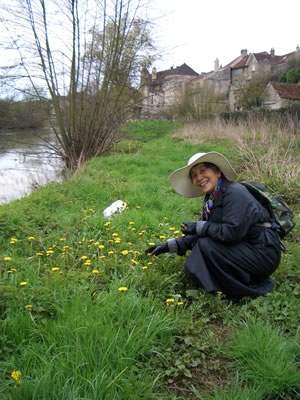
(88, 55)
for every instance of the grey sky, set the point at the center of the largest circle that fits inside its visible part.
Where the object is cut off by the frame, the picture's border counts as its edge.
(199, 31)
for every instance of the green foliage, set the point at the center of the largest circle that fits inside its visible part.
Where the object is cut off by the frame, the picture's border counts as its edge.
(291, 76)
(266, 358)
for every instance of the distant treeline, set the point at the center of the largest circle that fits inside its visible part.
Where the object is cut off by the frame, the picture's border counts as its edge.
(23, 114)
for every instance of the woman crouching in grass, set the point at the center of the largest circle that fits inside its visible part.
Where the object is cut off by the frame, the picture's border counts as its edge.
(231, 250)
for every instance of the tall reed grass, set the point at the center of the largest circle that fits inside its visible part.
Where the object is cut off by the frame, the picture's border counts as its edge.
(261, 150)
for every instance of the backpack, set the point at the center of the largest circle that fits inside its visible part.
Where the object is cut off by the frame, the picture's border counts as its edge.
(279, 211)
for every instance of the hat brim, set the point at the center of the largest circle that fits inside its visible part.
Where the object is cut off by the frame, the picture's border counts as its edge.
(181, 181)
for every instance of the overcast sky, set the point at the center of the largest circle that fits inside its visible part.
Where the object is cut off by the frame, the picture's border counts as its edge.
(199, 31)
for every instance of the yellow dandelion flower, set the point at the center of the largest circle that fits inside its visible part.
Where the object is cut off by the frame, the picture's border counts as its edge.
(23, 283)
(101, 246)
(16, 376)
(131, 223)
(39, 253)
(150, 263)
(162, 237)
(101, 257)
(134, 262)
(115, 234)
(123, 289)
(145, 267)
(28, 307)
(172, 229)
(180, 303)
(87, 263)
(49, 252)
(110, 241)
(151, 243)
(91, 240)
(83, 258)
(13, 269)
(107, 224)
(118, 240)
(62, 239)
(176, 232)
(170, 301)
(12, 241)
(7, 258)
(55, 269)
(66, 248)
(110, 252)
(31, 238)
(124, 252)
(95, 271)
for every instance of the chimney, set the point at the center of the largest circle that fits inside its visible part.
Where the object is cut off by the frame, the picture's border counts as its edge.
(297, 48)
(217, 65)
(244, 52)
(154, 74)
(272, 52)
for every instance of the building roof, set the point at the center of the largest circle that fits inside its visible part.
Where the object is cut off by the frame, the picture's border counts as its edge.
(183, 69)
(243, 59)
(287, 90)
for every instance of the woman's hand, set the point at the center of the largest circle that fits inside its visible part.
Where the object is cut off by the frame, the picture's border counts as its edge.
(189, 228)
(158, 249)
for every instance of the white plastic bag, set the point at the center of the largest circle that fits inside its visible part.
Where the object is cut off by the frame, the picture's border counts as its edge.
(115, 208)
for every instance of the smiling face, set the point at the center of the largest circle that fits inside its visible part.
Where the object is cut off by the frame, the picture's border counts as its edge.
(205, 178)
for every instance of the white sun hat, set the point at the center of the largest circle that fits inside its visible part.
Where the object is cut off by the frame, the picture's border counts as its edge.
(181, 181)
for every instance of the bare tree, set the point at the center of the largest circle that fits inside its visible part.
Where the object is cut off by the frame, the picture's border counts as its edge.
(88, 54)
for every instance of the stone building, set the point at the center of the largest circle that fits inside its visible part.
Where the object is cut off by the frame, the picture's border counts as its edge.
(279, 95)
(160, 89)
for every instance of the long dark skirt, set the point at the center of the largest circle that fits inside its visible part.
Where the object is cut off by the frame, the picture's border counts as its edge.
(237, 270)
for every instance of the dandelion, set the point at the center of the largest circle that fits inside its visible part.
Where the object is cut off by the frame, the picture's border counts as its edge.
(150, 263)
(13, 241)
(39, 254)
(7, 258)
(110, 241)
(170, 301)
(23, 283)
(83, 258)
(54, 269)
(28, 307)
(115, 234)
(134, 262)
(62, 239)
(118, 240)
(49, 252)
(111, 252)
(101, 246)
(176, 232)
(66, 248)
(31, 238)
(123, 289)
(95, 271)
(87, 263)
(172, 229)
(101, 257)
(107, 224)
(13, 270)
(180, 303)
(151, 244)
(131, 223)
(124, 252)
(16, 376)
(145, 267)
(162, 237)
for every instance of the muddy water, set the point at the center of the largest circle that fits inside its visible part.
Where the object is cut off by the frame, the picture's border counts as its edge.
(26, 162)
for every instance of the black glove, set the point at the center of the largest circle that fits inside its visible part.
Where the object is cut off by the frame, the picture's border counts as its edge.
(189, 228)
(158, 249)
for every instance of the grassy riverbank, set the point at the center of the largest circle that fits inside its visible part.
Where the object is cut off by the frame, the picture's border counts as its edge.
(85, 314)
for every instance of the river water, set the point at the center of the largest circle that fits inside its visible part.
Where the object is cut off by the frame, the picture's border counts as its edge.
(26, 162)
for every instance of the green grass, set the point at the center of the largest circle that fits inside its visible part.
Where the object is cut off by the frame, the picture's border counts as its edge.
(69, 330)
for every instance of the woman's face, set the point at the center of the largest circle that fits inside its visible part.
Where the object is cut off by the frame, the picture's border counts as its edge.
(204, 177)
